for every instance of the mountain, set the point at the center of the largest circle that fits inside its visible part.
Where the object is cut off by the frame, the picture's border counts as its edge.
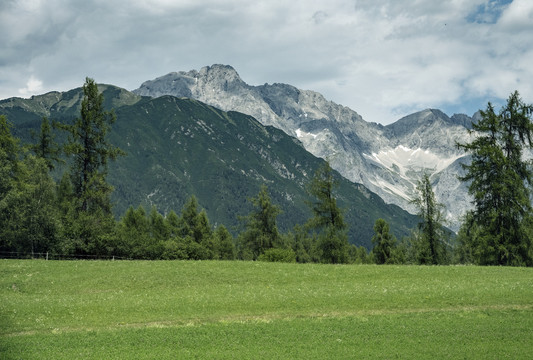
(180, 147)
(389, 160)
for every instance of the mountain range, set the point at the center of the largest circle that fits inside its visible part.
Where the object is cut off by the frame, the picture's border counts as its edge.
(388, 160)
(178, 147)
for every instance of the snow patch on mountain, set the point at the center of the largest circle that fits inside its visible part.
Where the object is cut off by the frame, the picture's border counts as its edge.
(404, 160)
(302, 134)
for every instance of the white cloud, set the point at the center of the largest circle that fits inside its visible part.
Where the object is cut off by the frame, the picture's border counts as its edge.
(383, 58)
(33, 86)
(518, 16)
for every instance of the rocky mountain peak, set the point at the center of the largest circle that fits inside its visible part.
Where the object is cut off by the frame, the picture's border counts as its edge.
(415, 120)
(219, 73)
(387, 159)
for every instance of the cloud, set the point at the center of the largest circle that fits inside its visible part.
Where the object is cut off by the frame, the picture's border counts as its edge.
(33, 86)
(383, 58)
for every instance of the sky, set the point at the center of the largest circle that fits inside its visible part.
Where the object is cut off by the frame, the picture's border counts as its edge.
(382, 58)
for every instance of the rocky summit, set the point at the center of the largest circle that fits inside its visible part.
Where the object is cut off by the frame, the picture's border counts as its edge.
(389, 160)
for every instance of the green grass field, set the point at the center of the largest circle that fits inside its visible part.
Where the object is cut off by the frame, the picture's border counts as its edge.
(254, 310)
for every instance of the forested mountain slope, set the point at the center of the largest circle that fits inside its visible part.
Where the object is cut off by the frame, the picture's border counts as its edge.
(180, 147)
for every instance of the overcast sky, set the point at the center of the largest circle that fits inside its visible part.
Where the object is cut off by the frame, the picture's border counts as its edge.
(382, 58)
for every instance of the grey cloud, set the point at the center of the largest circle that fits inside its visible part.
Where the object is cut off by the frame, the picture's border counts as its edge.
(380, 57)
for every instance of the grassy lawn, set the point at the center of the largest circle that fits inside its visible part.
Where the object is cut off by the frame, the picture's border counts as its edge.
(207, 309)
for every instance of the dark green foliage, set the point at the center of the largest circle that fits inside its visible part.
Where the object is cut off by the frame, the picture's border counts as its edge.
(332, 242)
(286, 255)
(497, 230)
(46, 147)
(28, 211)
(303, 245)
(39, 223)
(261, 232)
(9, 158)
(332, 246)
(90, 150)
(359, 255)
(226, 246)
(384, 243)
(196, 232)
(324, 206)
(429, 246)
(133, 235)
(152, 236)
(88, 220)
(29, 220)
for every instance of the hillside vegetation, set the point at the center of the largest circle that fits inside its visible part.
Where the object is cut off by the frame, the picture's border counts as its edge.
(235, 309)
(182, 147)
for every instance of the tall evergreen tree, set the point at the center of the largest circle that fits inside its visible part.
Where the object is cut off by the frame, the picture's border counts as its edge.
(500, 181)
(432, 249)
(384, 243)
(261, 227)
(328, 218)
(88, 146)
(46, 147)
(195, 231)
(226, 247)
(89, 221)
(133, 235)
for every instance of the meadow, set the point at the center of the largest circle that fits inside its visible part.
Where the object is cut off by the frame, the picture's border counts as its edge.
(257, 310)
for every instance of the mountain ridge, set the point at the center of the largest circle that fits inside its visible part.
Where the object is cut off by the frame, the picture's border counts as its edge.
(386, 159)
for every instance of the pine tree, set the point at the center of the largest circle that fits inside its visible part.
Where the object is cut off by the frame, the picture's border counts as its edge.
(384, 243)
(133, 234)
(89, 221)
(195, 231)
(500, 181)
(328, 218)
(46, 147)
(90, 150)
(261, 231)
(226, 246)
(432, 249)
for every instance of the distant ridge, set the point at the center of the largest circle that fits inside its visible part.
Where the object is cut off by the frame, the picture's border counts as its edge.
(383, 158)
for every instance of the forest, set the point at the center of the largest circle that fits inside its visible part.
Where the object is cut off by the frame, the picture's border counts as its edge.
(72, 217)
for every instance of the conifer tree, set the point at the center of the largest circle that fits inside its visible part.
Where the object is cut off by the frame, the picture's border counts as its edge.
(261, 227)
(226, 246)
(328, 218)
(90, 150)
(46, 147)
(431, 249)
(89, 221)
(500, 181)
(384, 243)
(195, 231)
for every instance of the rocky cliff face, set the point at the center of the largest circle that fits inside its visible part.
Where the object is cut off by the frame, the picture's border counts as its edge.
(389, 160)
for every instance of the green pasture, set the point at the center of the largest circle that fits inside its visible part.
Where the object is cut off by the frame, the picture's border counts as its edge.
(256, 310)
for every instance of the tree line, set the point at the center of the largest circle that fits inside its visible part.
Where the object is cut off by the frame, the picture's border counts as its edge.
(73, 216)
